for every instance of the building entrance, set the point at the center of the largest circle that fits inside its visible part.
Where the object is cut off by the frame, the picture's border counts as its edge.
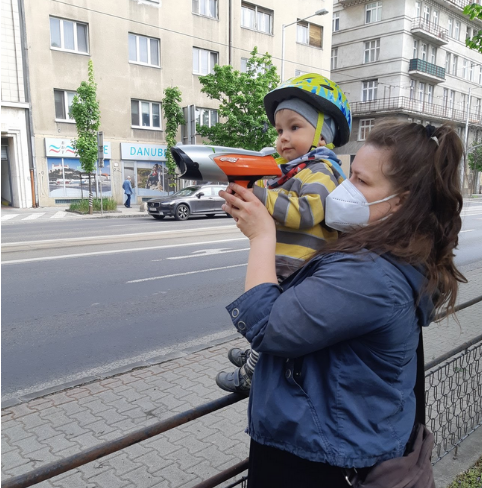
(6, 175)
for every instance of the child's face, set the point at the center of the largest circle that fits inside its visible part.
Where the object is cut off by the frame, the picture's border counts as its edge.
(295, 135)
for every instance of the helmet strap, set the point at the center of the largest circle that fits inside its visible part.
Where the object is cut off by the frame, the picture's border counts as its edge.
(319, 127)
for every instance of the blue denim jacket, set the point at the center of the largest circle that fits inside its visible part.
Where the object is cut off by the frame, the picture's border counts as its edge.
(334, 381)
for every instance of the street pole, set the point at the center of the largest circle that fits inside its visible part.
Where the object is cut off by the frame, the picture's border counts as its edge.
(283, 27)
(466, 141)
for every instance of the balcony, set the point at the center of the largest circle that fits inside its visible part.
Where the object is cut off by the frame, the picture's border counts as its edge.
(429, 31)
(349, 3)
(394, 105)
(424, 71)
(458, 5)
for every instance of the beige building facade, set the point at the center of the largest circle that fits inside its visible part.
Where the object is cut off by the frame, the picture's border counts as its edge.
(138, 48)
(408, 59)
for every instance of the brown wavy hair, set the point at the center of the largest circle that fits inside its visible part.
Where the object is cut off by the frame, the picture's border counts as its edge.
(424, 231)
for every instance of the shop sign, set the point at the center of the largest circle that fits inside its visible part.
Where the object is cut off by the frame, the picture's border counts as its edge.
(143, 152)
(62, 148)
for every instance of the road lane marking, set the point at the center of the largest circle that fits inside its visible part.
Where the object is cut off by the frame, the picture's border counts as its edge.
(186, 273)
(8, 217)
(209, 252)
(103, 253)
(34, 216)
(59, 215)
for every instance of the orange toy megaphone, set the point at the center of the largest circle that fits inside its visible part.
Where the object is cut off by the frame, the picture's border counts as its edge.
(218, 163)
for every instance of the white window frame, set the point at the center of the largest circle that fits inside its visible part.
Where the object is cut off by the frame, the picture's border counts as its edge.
(151, 114)
(463, 102)
(464, 68)
(303, 34)
(369, 90)
(426, 13)
(421, 91)
(413, 86)
(256, 10)
(423, 49)
(480, 74)
(366, 125)
(373, 12)
(477, 107)
(66, 105)
(430, 90)
(415, 49)
(336, 21)
(149, 40)
(418, 9)
(212, 116)
(447, 62)
(201, 7)
(435, 17)
(75, 34)
(371, 53)
(197, 51)
(455, 64)
(457, 30)
(450, 27)
(471, 71)
(433, 54)
(334, 58)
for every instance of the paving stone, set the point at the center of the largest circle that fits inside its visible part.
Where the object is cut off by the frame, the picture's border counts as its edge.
(161, 445)
(21, 410)
(84, 418)
(175, 476)
(184, 459)
(28, 445)
(95, 405)
(121, 463)
(15, 432)
(12, 459)
(60, 399)
(121, 405)
(55, 417)
(141, 478)
(59, 443)
(111, 416)
(72, 480)
(86, 440)
(44, 431)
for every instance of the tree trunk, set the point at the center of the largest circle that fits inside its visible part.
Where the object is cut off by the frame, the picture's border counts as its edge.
(91, 208)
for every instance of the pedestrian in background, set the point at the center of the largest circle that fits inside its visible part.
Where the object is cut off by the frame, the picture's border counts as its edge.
(128, 191)
(333, 390)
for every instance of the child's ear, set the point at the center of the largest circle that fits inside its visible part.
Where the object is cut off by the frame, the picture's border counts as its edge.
(322, 142)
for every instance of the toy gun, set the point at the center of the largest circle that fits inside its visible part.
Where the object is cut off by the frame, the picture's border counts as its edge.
(218, 163)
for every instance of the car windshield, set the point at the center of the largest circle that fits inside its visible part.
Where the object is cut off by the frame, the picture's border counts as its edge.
(185, 192)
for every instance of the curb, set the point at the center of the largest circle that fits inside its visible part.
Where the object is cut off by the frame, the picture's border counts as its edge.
(118, 371)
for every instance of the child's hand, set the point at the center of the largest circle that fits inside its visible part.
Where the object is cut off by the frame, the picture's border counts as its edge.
(251, 216)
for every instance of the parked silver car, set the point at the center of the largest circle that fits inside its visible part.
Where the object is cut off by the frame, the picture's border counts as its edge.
(192, 200)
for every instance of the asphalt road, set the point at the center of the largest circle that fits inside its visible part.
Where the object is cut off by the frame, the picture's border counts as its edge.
(87, 297)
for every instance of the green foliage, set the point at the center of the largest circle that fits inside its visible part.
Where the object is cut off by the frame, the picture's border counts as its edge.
(108, 204)
(174, 118)
(471, 478)
(244, 122)
(86, 113)
(475, 156)
(474, 11)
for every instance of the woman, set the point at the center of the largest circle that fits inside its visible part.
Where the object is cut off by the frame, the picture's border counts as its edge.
(333, 388)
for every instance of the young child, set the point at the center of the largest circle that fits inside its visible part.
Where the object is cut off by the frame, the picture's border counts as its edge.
(311, 115)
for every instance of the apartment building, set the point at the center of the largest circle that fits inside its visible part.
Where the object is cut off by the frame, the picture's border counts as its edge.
(138, 48)
(407, 59)
(17, 158)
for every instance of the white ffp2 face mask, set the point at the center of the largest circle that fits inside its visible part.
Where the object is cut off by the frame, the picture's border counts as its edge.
(346, 208)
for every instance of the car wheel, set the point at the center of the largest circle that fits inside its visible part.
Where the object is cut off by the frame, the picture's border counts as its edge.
(158, 217)
(210, 216)
(182, 212)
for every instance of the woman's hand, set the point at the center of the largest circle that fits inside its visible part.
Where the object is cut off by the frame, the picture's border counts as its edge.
(251, 216)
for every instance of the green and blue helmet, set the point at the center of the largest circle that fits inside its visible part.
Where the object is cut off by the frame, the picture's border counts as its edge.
(321, 93)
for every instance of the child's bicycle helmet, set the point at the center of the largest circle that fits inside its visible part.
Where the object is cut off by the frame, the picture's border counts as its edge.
(320, 92)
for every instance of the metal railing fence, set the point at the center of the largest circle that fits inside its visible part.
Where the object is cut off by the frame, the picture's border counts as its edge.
(454, 411)
(430, 27)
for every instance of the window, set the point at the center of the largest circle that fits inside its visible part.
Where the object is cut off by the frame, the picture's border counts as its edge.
(462, 102)
(258, 69)
(310, 34)
(433, 54)
(471, 72)
(68, 35)
(468, 33)
(413, 84)
(451, 27)
(435, 17)
(206, 117)
(426, 13)
(423, 49)
(256, 18)
(369, 90)
(430, 93)
(418, 9)
(457, 30)
(373, 12)
(447, 62)
(143, 50)
(208, 8)
(372, 51)
(145, 114)
(334, 58)
(63, 104)
(336, 22)
(366, 125)
(464, 68)
(455, 62)
(421, 92)
(480, 75)
(203, 61)
(415, 49)
(477, 107)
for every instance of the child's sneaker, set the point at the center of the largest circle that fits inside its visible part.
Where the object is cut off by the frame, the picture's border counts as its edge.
(238, 356)
(238, 381)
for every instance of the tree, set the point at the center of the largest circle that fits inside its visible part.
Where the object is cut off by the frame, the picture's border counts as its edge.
(474, 11)
(475, 162)
(174, 118)
(244, 123)
(86, 113)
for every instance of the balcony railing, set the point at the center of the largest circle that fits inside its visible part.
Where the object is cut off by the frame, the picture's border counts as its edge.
(461, 3)
(431, 28)
(426, 67)
(407, 105)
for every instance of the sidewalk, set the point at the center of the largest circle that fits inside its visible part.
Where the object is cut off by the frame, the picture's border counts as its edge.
(51, 427)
